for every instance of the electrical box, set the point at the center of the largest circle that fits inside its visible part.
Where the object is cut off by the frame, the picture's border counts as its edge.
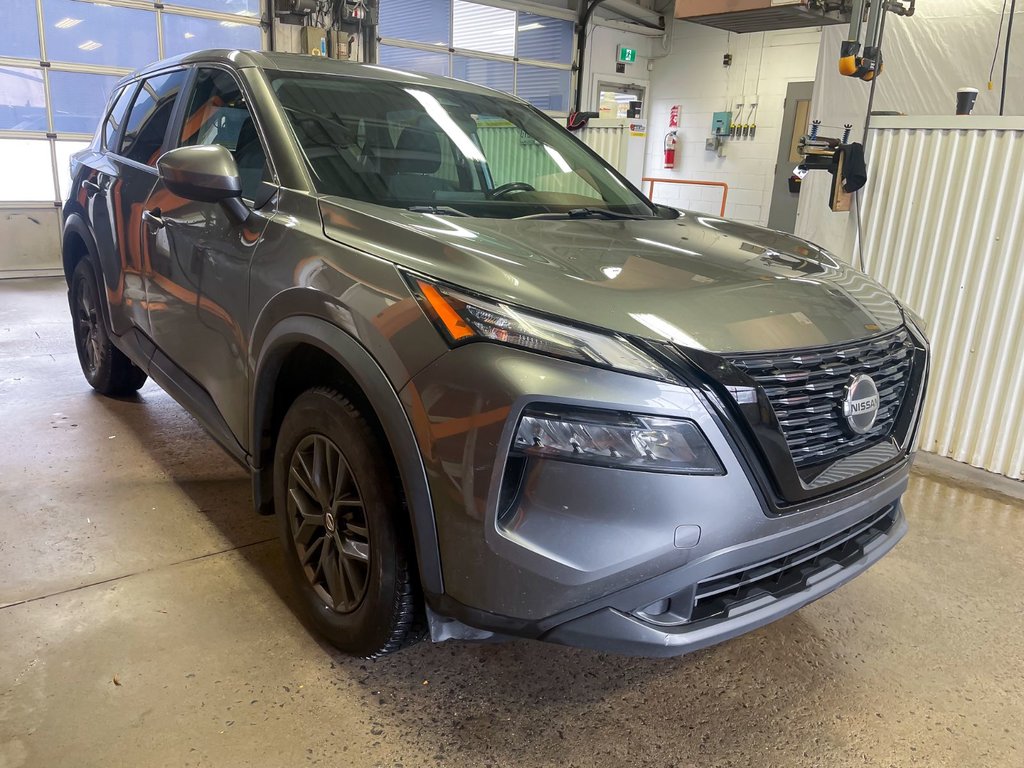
(313, 41)
(339, 44)
(720, 123)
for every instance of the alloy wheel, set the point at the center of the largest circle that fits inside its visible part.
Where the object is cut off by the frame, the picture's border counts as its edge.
(88, 320)
(328, 523)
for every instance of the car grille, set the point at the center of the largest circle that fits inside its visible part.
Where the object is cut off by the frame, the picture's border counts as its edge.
(806, 390)
(791, 572)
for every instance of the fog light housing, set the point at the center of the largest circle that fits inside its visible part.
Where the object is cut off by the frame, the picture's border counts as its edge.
(618, 440)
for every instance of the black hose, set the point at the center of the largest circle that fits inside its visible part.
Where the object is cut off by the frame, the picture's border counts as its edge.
(1006, 56)
(867, 124)
(581, 48)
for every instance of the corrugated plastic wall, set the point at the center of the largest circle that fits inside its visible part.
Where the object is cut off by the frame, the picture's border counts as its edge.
(944, 230)
(520, 158)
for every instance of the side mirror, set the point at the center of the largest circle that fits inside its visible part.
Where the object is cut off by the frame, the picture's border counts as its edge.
(205, 173)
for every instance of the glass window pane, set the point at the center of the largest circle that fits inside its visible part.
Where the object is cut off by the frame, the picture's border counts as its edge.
(422, 21)
(184, 34)
(240, 7)
(546, 89)
(544, 39)
(27, 174)
(78, 100)
(21, 35)
(116, 117)
(483, 28)
(493, 74)
(87, 33)
(218, 114)
(65, 149)
(147, 122)
(22, 99)
(411, 60)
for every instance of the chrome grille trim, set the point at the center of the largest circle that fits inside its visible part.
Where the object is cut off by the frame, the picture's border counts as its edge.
(806, 390)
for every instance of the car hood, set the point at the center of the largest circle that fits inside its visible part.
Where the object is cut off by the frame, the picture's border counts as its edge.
(699, 281)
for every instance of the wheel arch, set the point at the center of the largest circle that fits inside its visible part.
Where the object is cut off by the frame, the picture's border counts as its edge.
(324, 354)
(77, 243)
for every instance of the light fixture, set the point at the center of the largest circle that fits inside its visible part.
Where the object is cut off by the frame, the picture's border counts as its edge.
(462, 319)
(189, 35)
(67, 23)
(615, 440)
(90, 45)
(528, 27)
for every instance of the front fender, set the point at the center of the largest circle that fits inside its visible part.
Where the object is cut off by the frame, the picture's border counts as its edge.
(384, 400)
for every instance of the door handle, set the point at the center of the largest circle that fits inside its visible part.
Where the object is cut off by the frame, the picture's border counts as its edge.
(153, 219)
(92, 188)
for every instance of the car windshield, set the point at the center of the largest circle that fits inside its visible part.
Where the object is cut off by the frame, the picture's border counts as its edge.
(447, 151)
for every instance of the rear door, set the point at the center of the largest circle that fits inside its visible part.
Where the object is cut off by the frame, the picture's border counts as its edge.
(94, 180)
(134, 169)
(200, 262)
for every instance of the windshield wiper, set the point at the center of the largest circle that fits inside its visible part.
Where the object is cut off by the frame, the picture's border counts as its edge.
(437, 210)
(584, 213)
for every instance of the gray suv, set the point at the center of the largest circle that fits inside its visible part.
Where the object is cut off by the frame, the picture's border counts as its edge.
(487, 387)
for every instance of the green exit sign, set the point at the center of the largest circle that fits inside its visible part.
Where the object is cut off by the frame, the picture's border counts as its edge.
(627, 55)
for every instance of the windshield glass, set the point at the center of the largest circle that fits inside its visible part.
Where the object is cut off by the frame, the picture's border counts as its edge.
(445, 151)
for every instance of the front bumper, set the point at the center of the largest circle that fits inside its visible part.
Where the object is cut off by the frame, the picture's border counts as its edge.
(612, 629)
(586, 549)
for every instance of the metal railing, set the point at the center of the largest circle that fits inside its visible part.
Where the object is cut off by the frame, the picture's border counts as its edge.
(694, 182)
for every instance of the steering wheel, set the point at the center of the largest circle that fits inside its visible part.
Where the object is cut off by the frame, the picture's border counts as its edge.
(512, 186)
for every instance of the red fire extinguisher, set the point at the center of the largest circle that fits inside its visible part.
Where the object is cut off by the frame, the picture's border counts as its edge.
(671, 139)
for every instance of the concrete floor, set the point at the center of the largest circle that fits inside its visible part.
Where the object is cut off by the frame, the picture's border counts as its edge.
(141, 624)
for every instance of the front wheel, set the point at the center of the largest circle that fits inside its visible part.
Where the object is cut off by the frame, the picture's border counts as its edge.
(341, 522)
(107, 369)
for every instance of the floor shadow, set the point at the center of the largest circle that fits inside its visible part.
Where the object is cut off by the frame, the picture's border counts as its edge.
(199, 467)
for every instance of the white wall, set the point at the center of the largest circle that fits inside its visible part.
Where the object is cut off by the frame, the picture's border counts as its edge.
(764, 63)
(945, 45)
(599, 64)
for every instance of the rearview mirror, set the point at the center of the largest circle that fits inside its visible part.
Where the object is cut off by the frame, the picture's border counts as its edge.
(205, 173)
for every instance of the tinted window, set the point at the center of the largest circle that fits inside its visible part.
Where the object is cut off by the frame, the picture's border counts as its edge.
(147, 122)
(217, 113)
(407, 146)
(116, 116)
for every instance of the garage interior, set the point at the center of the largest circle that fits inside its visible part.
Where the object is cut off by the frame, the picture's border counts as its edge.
(143, 619)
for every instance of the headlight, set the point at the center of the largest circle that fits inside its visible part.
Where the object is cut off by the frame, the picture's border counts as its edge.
(624, 441)
(463, 318)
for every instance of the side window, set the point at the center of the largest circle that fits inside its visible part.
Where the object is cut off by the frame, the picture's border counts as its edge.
(217, 113)
(112, 125)
(147, 122)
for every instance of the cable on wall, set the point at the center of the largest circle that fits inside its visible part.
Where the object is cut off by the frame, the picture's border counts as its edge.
(995, 49)
(1006, 56)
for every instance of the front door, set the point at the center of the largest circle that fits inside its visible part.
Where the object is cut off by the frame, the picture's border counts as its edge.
(200, 256)
(782, 215)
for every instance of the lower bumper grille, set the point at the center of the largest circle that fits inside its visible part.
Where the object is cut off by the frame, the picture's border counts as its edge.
(791, 572)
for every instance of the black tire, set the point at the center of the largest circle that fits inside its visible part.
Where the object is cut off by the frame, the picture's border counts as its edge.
(332, 517)
(107, 369)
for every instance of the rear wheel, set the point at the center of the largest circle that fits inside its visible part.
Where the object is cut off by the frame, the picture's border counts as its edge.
(107, 369)
(341, 521)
